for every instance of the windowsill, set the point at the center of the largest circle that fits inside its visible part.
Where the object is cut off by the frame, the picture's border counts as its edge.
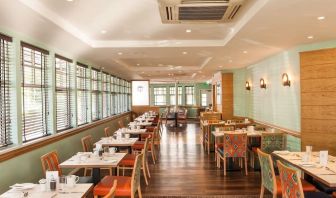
(15, 150)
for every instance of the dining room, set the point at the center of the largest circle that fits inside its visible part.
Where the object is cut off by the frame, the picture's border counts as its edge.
(167, 99)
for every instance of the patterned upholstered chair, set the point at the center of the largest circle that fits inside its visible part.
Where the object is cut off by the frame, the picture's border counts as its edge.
(218, 144)
(107, 132)
(207, 137)
(234, 146)
(126, 186)
(270, 181)
(291, 184)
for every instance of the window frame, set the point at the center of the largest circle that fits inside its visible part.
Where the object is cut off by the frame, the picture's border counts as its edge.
(192, 93)
(160, 92)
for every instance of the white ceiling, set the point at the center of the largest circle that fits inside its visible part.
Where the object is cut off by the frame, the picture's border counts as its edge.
(164, 52)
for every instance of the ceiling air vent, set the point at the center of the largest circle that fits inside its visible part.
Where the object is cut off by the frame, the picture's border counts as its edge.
(191, 11)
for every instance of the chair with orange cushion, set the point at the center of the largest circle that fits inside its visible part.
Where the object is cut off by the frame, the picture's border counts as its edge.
(50, 162)
(107, 132)
(87, 144)
(126, 186)
(269, 180)
(128, 162)
(139, 146)
(291, 184)
(111, 194)
(234, 146)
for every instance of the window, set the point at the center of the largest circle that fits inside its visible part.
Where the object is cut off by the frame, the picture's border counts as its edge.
(106, 95)
(34, 92)
(5, 111)
(63, 98)
(189, 95)
(95, 93)
(218, 93)
(159, 96)
(172, 95)
(82, 93)
(112, 96)
(204, 98)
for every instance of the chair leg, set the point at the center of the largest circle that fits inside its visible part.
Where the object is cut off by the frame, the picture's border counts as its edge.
(262, 191)
(246, 173)
(85, 172)
(153, 157)
(147, 169)
(144, 172)
(139, 192)
(110, 170)
(123, 171)
(208, 147)
(224, 160)
(117, 170)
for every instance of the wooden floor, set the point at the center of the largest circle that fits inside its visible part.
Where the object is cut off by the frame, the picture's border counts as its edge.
(184, 170)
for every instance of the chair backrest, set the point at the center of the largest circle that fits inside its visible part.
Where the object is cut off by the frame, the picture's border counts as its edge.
(136, 173)
(112, 191)
(121, 124)
(267, 172)
(87, 143)
(235, 144)
(271, 142)
(290, 182)
(145, 150)
(134, 116)
(50, 162)
(222, 127)
(107, 132)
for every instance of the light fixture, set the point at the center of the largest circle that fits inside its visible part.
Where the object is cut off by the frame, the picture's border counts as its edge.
(140, 88)
(120, 53)
(220, 66)
(69, 0)
(285, 80)
(310, 37)
(138, 64)
(230, 61)
(184, 53)
(188, 30)
(262, 83)
(103, 31)
(247, 86)
(321, 18)
(245, 52)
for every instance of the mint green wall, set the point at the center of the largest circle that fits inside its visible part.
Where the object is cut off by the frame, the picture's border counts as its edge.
(28, 168)
(277, 105)
(192, 111)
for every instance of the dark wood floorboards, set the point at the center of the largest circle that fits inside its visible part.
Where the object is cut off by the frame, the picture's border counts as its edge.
(184, 170)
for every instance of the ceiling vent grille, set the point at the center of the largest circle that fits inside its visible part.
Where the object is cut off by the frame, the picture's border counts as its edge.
(191, 11)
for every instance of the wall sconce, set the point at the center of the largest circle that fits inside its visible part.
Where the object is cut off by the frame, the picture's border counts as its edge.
(247, 86)
(285, 80)
(140, 88)
(262, 83)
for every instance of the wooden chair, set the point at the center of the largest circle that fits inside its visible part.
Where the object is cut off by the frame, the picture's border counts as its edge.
(128, 162)
(270, 181)
(234, 146)
(139, 145)
(87, 144)
(291, 184)
(107, 132)
(182, 116)
(50, 162)
(222, 127)
(126, 186)
(111, 194)
(207, 137)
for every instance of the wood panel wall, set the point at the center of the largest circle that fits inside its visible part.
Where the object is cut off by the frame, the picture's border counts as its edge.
(318, 99)
(226, 106)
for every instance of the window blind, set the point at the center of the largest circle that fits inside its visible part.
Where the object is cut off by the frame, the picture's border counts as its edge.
(82, 93)
(106, 95)
(5, 111)
(190, 91)
(63, 98)
(159, 96)
(34, 92)
(95, 94)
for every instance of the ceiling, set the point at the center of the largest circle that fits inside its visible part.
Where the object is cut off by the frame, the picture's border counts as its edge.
(128, 39)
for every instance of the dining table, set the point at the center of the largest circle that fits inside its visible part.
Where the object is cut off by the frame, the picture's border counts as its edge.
(90, 160)
(324, 174)
(37, 190)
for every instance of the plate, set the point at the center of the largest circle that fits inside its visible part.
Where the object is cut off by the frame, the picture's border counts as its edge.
(23, 186)
(282, 152)
(307, 164)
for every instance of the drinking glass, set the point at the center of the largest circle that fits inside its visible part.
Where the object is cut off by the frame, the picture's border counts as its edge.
(62, 182)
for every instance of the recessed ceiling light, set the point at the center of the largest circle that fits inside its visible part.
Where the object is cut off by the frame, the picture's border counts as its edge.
(138, 64)
(120, 53)
(143, 72)
(199, 71)
(69, 0)
(321, 18)
(103, 31)
(310, 37)
(245, 52)
(220, 66)
(184, 53)
(230, 61)
(188, 30)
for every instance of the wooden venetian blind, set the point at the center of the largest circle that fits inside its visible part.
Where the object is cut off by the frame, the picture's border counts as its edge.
(5, 111)
(82, 93)
(106, 94)
(63, 97)
(34, 92)
(95, 94)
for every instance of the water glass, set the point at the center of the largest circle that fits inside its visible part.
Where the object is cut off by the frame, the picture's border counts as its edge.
(106, 149)
(62, 182)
